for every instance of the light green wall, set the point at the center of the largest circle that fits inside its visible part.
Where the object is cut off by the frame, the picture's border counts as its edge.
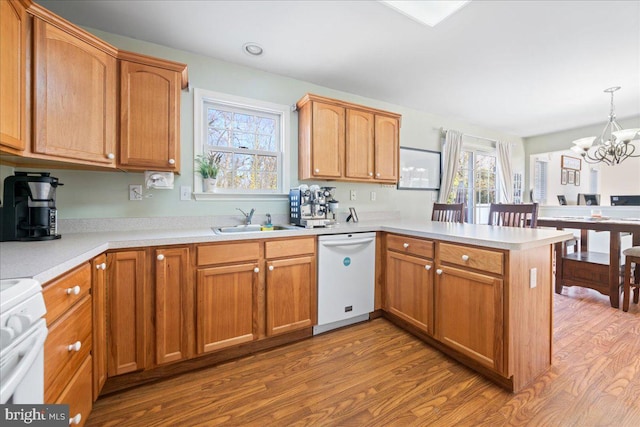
(105, 194)
(559, 141)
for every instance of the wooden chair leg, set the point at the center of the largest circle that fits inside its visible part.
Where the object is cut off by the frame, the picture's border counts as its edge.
(627, 285)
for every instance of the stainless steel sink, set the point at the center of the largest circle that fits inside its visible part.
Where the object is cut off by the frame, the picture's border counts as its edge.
(251, 228)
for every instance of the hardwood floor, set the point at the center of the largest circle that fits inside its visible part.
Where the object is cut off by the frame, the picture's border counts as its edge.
(374, 374)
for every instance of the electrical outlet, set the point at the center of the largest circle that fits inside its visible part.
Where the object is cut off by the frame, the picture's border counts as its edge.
(135, 192)
(373, 196)
(533, 278)
(352, 195)
(185, 192)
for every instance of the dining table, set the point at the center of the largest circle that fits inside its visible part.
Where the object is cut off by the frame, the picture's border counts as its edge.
(568, 271)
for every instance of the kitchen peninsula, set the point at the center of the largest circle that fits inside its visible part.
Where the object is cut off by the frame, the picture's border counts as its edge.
(487, 292)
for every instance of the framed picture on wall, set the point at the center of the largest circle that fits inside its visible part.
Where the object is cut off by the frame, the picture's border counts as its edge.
(563, 177)
(419, 169)
(571, 177)
(569, 162)
(577, 180)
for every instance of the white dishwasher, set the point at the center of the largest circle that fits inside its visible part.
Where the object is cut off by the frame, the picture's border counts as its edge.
(346, 279)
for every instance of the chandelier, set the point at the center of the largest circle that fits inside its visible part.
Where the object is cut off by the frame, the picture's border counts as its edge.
(614, 144)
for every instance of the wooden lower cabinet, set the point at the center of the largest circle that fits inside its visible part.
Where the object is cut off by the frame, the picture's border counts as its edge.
(409, 290)
(470, 315)
(226, 306)
(173, 304)
(291, 294)
(126, 274)
(68, 348)
(99, 348)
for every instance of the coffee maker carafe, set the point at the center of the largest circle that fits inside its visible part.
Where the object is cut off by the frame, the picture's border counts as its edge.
(29, 209)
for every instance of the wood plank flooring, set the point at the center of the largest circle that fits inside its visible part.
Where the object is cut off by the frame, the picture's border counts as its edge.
(374, 374)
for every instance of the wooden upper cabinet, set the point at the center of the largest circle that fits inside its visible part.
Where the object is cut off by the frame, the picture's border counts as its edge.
(359, 144)
(341, 141)
(387, 148)
(149, 112)
(75, 97)
(13, 75)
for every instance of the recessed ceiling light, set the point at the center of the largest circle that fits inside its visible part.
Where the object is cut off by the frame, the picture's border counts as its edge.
(253, 49)
(429, 12)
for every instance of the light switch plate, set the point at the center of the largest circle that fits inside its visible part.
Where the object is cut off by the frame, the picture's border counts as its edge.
(185, 192)
(533, 278)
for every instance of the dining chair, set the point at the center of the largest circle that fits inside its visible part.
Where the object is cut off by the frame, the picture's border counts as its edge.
(514, 215)
(632, 256)
(448, 212)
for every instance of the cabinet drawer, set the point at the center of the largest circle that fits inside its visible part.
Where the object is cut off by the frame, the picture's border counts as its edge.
(65, 291)
(77, 394)
(293, 247)
(61, 363)
(410, 245)
(227, 252)
(479, 259)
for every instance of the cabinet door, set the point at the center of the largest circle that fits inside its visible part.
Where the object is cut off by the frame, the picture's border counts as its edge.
(410, 289)
(226, 306)
(13, 75)
(359, 145)
(386, 148)
(469, 315)
(172, 304)
(149, 117)
(126, 328)
(75, 97)
(98, 290)
(291, 295)
(327, 140)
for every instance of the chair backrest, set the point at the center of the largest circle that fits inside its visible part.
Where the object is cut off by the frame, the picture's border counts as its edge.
(519, 215)
(448, 212)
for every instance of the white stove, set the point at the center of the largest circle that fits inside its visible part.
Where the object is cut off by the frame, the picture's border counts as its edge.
(22, 334)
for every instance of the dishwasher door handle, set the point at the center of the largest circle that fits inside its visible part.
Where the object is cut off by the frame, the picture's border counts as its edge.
(351, 242)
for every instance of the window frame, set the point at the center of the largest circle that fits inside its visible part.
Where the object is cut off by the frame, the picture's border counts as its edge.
(203, 96)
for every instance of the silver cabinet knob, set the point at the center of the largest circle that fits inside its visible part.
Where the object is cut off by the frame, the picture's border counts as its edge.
(465, 257)
(256, 270)
(370, 173)
(271, 268)
(74, 290)
(75, 420)
(103, 266)
(427, 267)
(172, 161)
(439, 271)
(111, 156)
(316, 170)
(406, 245)
(378, 175)
(75, 346)
(160, 257)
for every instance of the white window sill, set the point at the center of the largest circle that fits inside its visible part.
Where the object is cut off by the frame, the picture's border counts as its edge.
(238, 196)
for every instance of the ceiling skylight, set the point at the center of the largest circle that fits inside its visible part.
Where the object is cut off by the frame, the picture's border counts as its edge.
(429, 12)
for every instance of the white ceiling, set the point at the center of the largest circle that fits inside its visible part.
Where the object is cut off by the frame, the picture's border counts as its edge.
(522, 67)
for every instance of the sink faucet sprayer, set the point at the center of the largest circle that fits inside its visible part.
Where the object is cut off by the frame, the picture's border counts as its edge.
(247, 216)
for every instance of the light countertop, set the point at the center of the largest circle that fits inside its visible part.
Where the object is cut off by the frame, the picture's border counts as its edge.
(45, 260)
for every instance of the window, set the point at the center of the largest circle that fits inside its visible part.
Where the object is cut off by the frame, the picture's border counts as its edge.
(475, 183)
(540, 181)
(253, 138)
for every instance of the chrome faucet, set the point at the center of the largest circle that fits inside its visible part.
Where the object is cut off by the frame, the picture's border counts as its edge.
(247, 216)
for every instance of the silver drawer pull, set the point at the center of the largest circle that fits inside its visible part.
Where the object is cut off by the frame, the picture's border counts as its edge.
(406, 245)
(427, 267)
(75, 346)
(439, 271)
(465, 257)
(76, 419)
(160, 257)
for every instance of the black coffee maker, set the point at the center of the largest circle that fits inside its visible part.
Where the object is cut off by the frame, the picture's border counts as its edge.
(29, 209)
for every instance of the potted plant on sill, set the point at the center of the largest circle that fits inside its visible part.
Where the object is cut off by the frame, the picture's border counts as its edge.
(208, 166)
